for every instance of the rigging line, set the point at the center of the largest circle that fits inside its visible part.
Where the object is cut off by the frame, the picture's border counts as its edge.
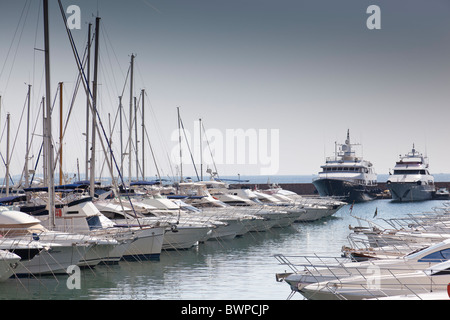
(14, 37)
(17, 133)
(189, 148)
(35, 125)
(159, 130)
(34, 51)
(88, 90)
(31, 142)
(15, 139)
(105, 31)
(209, 148)
(111, 129)
(77, 85)
(5, 178)
(109, 60)
(17, 48)
(153, 154)
(36, 165)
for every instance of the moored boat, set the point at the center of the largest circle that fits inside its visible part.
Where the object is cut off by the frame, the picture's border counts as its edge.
(411, 179)
(347, 176)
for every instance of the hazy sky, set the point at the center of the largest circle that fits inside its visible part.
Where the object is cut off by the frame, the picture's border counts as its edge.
(305, 70)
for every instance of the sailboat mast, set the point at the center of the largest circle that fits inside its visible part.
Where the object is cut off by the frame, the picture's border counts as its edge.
(60, 132)
(131, 119)
(27, 151)
(88, 109)
(50, 173)
(7, 154)
(121, 141)
(179, 142)
(201, 150)
(136, 138)
(143, 137)
(94, 107)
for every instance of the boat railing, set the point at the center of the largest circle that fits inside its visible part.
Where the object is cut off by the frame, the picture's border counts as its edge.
(311, 262)
(361, 248)
(391, 286)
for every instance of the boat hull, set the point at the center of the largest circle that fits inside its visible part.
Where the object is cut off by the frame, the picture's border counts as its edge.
(184, 237)
(147, 245)
(8, 262)
(52, 261)
(345, 190)
(317, 213)
(407, 192)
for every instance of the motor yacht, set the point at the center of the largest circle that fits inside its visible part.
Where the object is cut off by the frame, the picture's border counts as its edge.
(347, 176)
(411, 179)
(324, 269)
(436, 277)
(42, 251)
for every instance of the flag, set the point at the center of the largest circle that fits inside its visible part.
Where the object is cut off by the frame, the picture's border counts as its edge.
(351, 207)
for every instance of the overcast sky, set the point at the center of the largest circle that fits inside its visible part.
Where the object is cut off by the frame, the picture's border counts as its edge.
(305, 71)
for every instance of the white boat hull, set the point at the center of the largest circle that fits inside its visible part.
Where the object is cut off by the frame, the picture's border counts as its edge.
(56, 260)
(184, 237)
(8, 264)
(403, 192)
(147, 246)
(227, 231)
(317, 213)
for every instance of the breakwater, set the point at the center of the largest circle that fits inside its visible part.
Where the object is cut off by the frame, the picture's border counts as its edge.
(309, 189)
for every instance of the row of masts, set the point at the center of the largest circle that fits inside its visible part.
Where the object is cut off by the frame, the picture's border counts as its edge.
(92, 125)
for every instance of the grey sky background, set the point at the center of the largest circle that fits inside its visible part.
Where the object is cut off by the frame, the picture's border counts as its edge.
(310, 69)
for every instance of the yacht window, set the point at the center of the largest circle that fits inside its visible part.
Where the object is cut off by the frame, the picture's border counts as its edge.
(94, 222)
(112, 215)
(438, 256)
(407, 171)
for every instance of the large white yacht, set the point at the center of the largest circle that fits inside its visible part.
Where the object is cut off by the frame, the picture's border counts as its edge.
(411, 180)
(347, 176)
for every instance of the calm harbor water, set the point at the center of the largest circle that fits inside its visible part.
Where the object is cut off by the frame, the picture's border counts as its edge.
(240, 269)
